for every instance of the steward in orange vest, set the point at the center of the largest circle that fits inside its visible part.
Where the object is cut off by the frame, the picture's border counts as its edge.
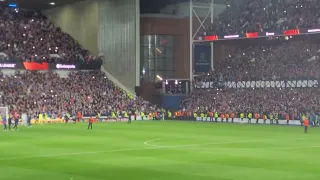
(232, 117)
(222, 117)
(79, 116)
(178, 116)
(288, 118)
(257, 115)
(227, 116)
(264, 118)
(211, 116)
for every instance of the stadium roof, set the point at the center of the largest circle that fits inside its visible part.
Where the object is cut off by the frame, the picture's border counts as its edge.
(38, 4)
(154, 6)
(147, 6)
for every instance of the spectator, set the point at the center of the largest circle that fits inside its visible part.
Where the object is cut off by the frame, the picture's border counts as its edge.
(88, 92)
(30, 36)
(270, 100)
(291, 59)
(265, 15)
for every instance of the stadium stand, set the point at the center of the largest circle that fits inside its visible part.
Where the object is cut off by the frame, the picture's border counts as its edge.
(271, 59)
(264, 15)
(286, 60)
(267, 101)
(89, 92)
(279, 59)
(29, 36)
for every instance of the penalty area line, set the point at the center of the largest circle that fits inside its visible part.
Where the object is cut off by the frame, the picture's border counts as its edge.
(79, 153)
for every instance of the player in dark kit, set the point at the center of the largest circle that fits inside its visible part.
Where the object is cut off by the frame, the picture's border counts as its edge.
(4, 121)
(129, 119)
(66, 118)
(9, 121)
(16, 122)
(90, 123)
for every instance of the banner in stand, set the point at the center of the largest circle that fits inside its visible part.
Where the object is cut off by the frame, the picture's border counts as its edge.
(202, 58)
(44, 66)
(250, 35)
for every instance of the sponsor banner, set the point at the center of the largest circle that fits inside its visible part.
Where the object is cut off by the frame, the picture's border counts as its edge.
(84, 120)
(23, 121)
(64, 66)
(30, 66)
(260, 84)
(8, 66)
(44, 66)
(119, 119)
(34, 66)
(232, 36)
(250, 35)
(202, 58)
(181, 119)
(139, 118)
(253, 121)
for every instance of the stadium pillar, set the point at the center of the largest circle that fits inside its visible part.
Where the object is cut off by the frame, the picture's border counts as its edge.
(211, 44)
(191, 45)
(212, 51)
(196, 7)
(137, 43)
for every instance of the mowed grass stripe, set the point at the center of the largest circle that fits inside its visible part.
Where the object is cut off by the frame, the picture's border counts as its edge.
(204, 161)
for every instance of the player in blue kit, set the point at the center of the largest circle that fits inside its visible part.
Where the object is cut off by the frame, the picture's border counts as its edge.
(3, 118)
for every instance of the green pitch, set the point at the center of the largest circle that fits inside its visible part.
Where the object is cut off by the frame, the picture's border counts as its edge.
(157, 150)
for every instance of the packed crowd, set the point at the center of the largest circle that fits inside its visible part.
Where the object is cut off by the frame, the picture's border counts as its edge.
(87, 92)
(286, 60)
(264, 101)
(30, 36)
(296, 58)
(264, 15)
(283, 58)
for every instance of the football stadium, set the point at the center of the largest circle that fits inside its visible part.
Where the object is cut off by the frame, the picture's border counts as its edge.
(159, 89)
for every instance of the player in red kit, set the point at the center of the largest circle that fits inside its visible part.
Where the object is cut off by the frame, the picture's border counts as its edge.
(306, 125)
(90, 123)
(16, 120)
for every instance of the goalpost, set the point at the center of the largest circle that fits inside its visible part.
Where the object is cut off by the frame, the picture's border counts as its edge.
(4, 111)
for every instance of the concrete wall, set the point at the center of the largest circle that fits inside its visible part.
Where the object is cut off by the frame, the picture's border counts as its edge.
(109, 28)
(80, 20)
(119, 39)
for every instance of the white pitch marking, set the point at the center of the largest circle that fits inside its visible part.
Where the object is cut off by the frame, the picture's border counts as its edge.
(154, 147)
(80, 153)
(251, 149)
(148, 143)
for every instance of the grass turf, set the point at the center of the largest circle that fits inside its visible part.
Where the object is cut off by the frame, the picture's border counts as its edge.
(157, 150)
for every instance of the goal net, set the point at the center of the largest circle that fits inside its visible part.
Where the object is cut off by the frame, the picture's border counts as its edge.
(4, 112)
